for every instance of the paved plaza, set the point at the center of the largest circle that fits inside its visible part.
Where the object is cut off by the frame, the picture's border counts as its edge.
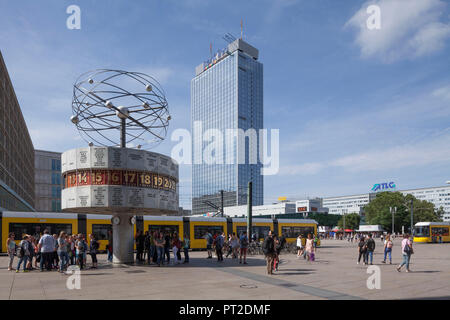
(334, 275)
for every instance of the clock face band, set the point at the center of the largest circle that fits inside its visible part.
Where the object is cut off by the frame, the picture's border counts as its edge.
(131, 178)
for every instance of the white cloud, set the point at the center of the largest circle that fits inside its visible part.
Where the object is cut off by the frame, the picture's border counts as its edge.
(302, 169)
(443, 93)
(409, 29)
(425, 152)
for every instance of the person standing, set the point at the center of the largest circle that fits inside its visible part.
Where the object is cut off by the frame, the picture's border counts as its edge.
(219, 245)
(159, 244)
(234, 245)
(175, 248)
(109, 248)
(55, 258)
(362, 250)
(309, 248)
(370, 245)
(93, 249)
(299, 246)
(243, 243)
(388, 244)
(139, 245)
(80, 245)
(269, 251)
(276, 257)
(62, 251)
(23, 253)
(209, 243)
(186, 245)
(47, 247)
(167, 244)
(147, 237)
(407, 251)
(11, 247)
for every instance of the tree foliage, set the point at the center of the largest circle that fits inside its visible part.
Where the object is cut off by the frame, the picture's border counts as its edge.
(351, 221)
(378, 212)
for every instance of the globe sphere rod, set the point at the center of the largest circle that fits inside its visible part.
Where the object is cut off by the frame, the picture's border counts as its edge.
(123, 141)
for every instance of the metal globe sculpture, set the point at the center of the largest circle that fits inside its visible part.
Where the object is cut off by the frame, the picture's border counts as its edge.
(108, 104)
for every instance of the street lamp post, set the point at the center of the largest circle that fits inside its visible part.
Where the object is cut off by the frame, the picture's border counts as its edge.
(344, 212)
(393, 212)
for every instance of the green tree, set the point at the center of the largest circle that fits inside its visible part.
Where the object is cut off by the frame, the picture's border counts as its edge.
(378, 212)
(351, 221)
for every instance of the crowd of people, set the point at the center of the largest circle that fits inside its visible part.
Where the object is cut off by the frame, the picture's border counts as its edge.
(154, 247)
(52, 252)
(366, 248)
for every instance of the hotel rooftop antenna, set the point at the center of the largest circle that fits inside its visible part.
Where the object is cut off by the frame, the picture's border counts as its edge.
(210, 50)
(242, 29)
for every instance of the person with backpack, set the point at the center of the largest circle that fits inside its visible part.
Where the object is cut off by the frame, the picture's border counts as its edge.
(388, 244)
(370, 245)
(407, 251)
(243, 243)
(362, 250)
(11, 247)
(209, 243)
(219, 245)
(23, 252)
(186, 245)
(62, 251)
(93, 249)
(269, 251)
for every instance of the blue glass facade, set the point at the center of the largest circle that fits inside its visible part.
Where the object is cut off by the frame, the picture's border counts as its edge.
(227, 95)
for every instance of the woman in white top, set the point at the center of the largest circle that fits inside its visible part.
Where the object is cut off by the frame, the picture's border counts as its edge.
(299, 246)
(11, 245)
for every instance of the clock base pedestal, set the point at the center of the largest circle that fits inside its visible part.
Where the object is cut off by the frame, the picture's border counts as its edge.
(123, 241)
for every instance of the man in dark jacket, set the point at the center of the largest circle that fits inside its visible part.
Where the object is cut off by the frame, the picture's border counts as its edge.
(269, 251)
(370, 245)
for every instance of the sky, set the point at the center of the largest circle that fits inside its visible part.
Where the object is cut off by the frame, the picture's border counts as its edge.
(355, 106)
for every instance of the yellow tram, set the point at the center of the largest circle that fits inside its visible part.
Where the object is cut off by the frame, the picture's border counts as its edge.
(432, 232)
(34, 223)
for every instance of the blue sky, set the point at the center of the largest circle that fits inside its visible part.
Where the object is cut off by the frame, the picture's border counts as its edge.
(354, 106)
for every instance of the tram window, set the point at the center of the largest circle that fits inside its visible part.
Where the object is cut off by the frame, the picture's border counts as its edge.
(200, 231)
(443, 231)
(164, 228)
(260, 231)
(36, 229)
(100, 231)
(422, 231)
(293, 232)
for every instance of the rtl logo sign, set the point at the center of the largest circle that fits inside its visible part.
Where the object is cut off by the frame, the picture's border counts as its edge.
(383, 186)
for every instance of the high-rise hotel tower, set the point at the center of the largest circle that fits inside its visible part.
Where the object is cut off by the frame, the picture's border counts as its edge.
(227, 93)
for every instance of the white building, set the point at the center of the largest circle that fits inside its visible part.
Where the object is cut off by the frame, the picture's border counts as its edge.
(348, 204)
(439, 196)
(278, 208)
